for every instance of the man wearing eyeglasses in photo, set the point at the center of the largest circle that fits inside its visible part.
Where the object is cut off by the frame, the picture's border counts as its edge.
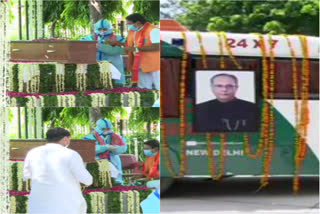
(226, 113)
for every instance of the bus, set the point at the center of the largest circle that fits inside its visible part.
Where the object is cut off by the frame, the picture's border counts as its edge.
(279, 74)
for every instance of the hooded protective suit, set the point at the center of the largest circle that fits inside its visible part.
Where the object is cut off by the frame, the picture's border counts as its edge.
(107, 52)
(114, 145)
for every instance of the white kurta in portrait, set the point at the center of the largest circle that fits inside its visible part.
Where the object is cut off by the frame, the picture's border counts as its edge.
(56, 173)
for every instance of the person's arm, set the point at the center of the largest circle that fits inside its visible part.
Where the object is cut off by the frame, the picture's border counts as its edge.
(102, 148)
(79, 171)
(27, 168)
(110, 50)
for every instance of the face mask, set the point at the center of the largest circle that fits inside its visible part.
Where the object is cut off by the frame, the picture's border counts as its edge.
(132, 27)
(149, 152)
(105, 33)
(107, 132)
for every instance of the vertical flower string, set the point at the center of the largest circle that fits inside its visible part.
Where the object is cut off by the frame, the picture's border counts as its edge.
(40, 19)
(233, 59)
(182, 102)
(221, 61)
(105, 74)
(4, 101)
(4, 54)
(32, 20)
(301, 146)
(4, 161)
(81, 77)
(268, 115)
(60, 77)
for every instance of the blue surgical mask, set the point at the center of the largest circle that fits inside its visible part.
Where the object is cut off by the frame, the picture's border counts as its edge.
(107, 132)
(132, 27)
(148, 152)
(105, 33)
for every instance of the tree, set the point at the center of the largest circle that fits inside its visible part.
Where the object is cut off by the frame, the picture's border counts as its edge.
(276, 17)
(68, 14)
(144, 116)
(149, 9)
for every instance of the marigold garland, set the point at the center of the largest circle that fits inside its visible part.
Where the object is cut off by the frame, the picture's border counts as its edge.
(220, 43)
(224, 35)
(210, 149)
(183, 156)
(202, 50)
(301, 146)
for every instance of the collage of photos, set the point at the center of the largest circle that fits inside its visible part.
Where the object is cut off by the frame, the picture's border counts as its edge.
(159, 106)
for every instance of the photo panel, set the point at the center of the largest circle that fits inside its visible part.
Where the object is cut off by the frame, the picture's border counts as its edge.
(225, 101)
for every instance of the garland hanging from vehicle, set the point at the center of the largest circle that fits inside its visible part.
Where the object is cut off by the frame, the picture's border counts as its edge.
(182, 103)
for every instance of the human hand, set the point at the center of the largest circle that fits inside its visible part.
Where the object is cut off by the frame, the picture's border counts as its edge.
(129, 48)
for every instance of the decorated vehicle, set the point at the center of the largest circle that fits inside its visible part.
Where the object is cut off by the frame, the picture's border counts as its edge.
(276, 74)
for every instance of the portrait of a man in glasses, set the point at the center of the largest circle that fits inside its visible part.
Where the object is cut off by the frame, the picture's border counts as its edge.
(226, 113)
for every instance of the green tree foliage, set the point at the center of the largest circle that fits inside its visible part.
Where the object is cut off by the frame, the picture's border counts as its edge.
(276, 17)
(149, 9)
(141, 117)
(68, 14)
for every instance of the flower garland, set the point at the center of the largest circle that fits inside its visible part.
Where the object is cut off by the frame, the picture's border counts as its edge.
(13, 102)
(136, 200)
(183, 156)
(4, 55)
(38, 123)
(265, 110)
(104, 172)
(121, 202)
(220, 39)
(140, 97)
(81, 77)
(98, 100)
(60, 77)
(224, 35)
(31, 19)
(301, 136)
(29, 73)
(40, 19)
(202, 50)
(4, 160)
(105, 74)
(31, 116)
(210, 150)
(268, 115)
(97, 202)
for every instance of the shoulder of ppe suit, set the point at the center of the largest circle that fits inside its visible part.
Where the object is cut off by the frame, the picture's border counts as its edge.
(89, 137)
(87, 38)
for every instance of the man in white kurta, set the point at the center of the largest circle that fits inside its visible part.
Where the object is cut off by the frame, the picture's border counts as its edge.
(56, 172)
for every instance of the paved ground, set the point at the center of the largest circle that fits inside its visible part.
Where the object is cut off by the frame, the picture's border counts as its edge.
(239, 195)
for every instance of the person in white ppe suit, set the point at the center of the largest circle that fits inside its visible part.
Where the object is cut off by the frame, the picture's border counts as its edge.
(56, 173)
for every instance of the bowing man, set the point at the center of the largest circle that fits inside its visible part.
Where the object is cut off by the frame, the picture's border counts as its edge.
(56, 172)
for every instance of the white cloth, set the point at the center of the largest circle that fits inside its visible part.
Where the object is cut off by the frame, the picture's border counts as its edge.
(147, 79)
(55, 173)
(115, 73)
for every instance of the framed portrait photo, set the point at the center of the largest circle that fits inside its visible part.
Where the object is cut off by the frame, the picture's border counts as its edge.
(225, 101)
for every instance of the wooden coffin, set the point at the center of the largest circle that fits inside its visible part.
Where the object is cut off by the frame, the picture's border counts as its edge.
(74, 52)
(20, 148)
